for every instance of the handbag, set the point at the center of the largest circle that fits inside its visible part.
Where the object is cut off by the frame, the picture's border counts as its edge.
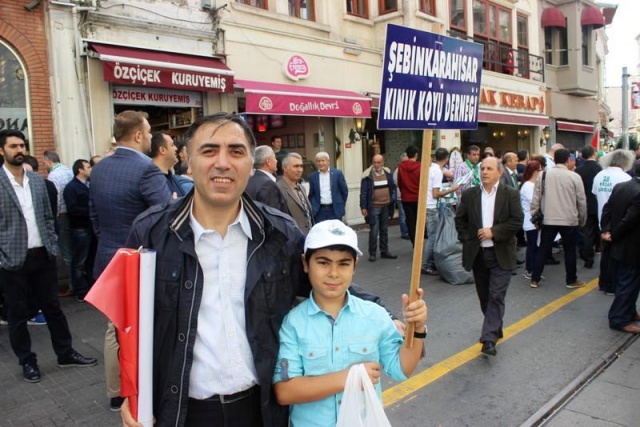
(538, 216)
(361, 406)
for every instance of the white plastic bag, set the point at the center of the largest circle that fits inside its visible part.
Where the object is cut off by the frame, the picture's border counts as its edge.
(361, 406)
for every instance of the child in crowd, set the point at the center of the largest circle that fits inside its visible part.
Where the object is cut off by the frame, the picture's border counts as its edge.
(330, 331)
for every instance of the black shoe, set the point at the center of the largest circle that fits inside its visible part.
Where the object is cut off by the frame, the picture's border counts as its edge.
(405, 237)
(519, 261)
(388, 255)
(115, 403)
(76, 359)
(500, 334)
(489, 347)
(551, 261)
(372, 258)
(31, 373)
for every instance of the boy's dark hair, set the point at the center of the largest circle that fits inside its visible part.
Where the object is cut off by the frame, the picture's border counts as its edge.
(412, 151)
(77, 165)
(274, 137)
(157, 141)
(341, 248)
(522, 155)
(472, 148)
(32, 161)
(92, 160)
(587, 152)
(561, 156)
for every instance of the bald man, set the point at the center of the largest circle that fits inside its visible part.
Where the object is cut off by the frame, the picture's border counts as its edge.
(377, 200)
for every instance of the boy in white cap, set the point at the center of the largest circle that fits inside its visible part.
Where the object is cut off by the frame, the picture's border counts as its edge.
(331, 330)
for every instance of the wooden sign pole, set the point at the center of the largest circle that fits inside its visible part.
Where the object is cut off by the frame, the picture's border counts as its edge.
(418, 246)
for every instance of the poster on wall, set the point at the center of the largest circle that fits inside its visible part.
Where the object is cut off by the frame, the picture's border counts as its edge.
(429, 81)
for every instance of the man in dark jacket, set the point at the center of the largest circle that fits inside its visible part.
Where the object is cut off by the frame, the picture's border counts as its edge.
(227, 272)
(76, 197)
(591, 230)
(621, 227)
(377, 199)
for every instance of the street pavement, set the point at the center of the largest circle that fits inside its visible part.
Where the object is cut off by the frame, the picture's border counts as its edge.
(559, 364)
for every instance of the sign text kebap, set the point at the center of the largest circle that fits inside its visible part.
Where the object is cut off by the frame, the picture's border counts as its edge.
(429, 81)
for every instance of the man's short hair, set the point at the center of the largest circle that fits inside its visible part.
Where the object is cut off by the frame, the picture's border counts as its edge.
(471, 148)
(507, 156)
(412, 151)
(441, 154)
(32, 161)
(323, 155)
(261, 155)
(127, 123)
(274, 137)
(52, 156)
(288, 157)
(157, 141)
(587, 151)
(77, 165)
(92, 160)
(561, 156)
(220, 119)
(6, 133)
(522, 155)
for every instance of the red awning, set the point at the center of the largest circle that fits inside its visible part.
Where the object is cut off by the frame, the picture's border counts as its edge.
(143, 67)
(574, 126)
(591, 15)
(293, 100)
(512, 118)
(552, 17)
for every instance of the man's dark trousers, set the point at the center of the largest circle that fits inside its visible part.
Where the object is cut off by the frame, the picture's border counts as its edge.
(568, 235)
(80, 273)
(37, 280)
(411, 213)
(591, 232)
(606, 281)
(623, 307)
(378, 226)
(491, 285)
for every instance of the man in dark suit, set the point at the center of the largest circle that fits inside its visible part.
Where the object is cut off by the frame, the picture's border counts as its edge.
(295, 196)
(164, 154)
(123, 186)
(509, 175)
(328, 190)
(262, 184)
(487, 220)
(28, 249)
(591, 230)
(621, 228)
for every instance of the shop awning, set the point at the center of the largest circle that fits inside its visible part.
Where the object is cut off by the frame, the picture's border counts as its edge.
(512, 118)
(293, 100)
(553, 17)
(574, 126)
(143, 67)
(591, 15)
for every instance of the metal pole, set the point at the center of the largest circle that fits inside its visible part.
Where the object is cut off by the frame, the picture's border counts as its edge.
(625, 109)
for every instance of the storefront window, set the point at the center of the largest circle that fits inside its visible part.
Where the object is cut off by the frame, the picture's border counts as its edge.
(13, 92)
(303, 9)
(358, 8)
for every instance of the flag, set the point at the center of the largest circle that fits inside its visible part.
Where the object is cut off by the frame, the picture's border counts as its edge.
(124, 292)
(595, 140)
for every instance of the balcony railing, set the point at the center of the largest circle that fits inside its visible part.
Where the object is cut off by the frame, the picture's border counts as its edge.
(501, 58)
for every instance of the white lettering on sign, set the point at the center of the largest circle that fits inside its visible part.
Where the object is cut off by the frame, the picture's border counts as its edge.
(303, 107)
(198, 80)
(424, 61)
(136, 74)
(141, 96)
(431, 106)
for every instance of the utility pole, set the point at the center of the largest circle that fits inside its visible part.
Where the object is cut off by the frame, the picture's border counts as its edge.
(625, 109)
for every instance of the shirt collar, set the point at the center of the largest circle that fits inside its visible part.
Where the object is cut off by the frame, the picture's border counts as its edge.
(12, 178)
(315, 309)
(325, 173)
(493, 189)
(199, 230)
(269, 174)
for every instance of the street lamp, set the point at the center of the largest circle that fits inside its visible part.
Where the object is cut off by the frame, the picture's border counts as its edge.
(546, 135)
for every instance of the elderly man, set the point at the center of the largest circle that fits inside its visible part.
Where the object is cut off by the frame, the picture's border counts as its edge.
(328, 190)
(294, 194)
(560, 195)
(549, 156)
(509, 174)
(237, 266)
(377, 199)
(487, 221)
(262, 184)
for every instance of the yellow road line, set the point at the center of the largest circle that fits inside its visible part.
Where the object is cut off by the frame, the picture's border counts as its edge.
(404, 389)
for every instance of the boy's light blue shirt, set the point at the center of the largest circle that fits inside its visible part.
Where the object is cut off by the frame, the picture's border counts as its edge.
(312, 344)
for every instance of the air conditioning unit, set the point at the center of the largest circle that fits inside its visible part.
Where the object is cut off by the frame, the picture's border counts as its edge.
(208, 4)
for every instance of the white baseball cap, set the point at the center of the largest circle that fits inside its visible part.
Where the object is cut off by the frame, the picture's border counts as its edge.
(330, 233)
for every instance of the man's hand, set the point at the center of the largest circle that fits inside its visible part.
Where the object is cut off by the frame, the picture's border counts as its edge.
(606, 236)
(455, 187)
(127, 418)
(485, 234)
(415, 312)
(373, 370)
(364, 212)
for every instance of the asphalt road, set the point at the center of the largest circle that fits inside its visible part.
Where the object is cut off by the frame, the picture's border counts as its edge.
(552, 335)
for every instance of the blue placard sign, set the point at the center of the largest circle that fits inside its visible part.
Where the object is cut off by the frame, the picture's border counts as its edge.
(429, 81)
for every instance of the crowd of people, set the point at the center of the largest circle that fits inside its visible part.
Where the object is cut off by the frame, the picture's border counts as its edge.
(240, 238)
